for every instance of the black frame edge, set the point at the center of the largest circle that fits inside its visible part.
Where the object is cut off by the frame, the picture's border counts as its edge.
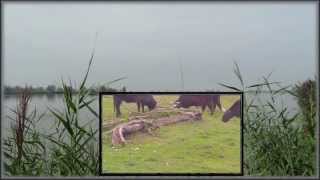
(171, 174)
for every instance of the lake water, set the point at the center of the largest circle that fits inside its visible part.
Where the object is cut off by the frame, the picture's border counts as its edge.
(42, 102)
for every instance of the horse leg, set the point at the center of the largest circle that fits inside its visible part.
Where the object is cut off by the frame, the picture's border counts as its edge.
(203, 108)
(138, 105)
(118, 113)
(213, 108)
(117, 107)
(142, 104)
(219, 105)
(210, 108)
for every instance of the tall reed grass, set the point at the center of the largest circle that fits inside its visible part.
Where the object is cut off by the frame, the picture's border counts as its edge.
(274, 142)
(23, 149)
(73, 149)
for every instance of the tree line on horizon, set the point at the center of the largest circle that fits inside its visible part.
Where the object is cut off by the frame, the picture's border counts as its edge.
(52, 89)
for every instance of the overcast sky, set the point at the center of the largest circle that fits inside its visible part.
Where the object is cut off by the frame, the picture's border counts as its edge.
(145, 42)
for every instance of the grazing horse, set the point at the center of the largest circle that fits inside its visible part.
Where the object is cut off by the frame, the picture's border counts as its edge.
(140, 100)
(186, 101)
(233, 111)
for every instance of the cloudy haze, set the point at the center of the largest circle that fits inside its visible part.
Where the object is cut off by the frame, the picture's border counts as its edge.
(145, 42)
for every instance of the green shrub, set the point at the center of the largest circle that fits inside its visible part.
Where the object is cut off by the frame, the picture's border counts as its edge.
(305, 94)
(274, 143)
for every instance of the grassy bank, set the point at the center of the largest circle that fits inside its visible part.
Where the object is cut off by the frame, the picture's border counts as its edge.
(209, 146)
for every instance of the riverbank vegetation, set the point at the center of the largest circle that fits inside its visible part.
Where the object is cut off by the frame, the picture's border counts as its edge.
(71, 151)
(276, 141)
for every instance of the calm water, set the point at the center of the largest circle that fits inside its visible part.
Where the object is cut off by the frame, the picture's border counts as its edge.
(42, 102)
(281, 101)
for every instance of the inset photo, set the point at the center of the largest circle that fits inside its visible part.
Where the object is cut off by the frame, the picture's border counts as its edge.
(171, 133)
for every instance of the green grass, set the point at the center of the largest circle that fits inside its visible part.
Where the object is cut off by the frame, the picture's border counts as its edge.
(207, 146)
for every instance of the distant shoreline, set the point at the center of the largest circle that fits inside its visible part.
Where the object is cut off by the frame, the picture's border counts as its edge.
(92, 93)
(51, 90)
(45, 93)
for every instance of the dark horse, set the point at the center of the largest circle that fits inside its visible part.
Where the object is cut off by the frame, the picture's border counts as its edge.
(210, 101)
(141, 100)
(233, 111)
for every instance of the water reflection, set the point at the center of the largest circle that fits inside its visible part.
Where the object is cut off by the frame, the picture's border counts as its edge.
(51, 96)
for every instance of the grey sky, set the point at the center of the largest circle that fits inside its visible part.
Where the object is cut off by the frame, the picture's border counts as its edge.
(144, 41)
